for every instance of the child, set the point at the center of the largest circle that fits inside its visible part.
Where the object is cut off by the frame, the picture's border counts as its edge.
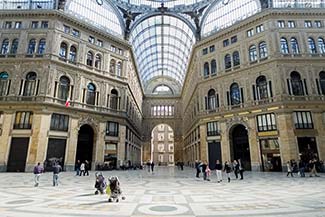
(227, 169)
(208, 172)
(114, 189)
(100, 183)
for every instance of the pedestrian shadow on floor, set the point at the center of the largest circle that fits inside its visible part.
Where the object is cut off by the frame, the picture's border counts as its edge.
(86, 195)
(93, 204)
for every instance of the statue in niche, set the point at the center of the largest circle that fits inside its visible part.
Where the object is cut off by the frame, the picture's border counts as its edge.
(129, 17)
(196, 15)
(61, 5)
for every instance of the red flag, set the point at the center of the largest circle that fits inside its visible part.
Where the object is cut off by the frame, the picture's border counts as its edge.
(67, 103)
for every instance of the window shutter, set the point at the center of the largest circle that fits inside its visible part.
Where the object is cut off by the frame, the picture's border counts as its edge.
(206, 103)
(289, 87)
(270, 88)
(242, 95)
(217, 101)
(305, 87)
(228, 98)
(318, 88)
(97, 98)
(254, 92)
(83, 95)
(71, 92)
(37, 87)
(21, 87)
(8, 87)
(55, 87)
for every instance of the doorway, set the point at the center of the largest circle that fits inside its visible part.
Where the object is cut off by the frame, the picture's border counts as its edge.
(55, 153)
(162, 145)
(18, 155)
(240, 145)
(85, 143)
(214, 153)
(307, 148)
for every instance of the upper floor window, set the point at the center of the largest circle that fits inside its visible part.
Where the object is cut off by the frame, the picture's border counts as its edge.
(318, 24)
(236, 58)
(23, 120)
(266, 122)
(14, 46)
(226, 42)
(262, 47)
(206, 70)
(31, 46)
(63, 50)
(281, 23)
(322, 82)
(296, 84)
(162, 110)
(45, 24)
(98, 61)
(91, 39)
(34, 25)
(30, 84)
(291, 24)
(112, 128)
(119, 69)
(7, 25)
(235, 96)
(321, 45)
(294, 46)
(66, 29)
(99, 43)
(284, 46)
(233, 39)
(4, 84)
(5, 46)
(73, 54)
(90, 58)
(308, 24)
(312, 46)
(303, 120)
(262, 91)
(18, 25)
(59, 122)
(212, 48)
(227, 61)
(212, 128)
(252, 53)
(76, 33)
(205, 51)
(250, 32)
(260, 28)
(212, 100)
(112, 66)
(41, 46)
(114, 99)
(213, 67)
(64, 88)
(91, 94)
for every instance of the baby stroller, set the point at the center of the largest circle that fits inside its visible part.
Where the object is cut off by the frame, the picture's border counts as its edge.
(100, 183)
(113, 190)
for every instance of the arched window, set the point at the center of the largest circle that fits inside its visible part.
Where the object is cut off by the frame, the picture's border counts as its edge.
(30, 84)
(262, 48)
(73, 54)
(63, 50)
(206, 69)
(284, 46)
(294, 46)
(41, 46)
(64, 87)
(235, 98)
(296, 84)
(14, 46)
(31, 46)
(90, 58)
(321, 45)
(261, 85)
(312, 46)
(252, 53)
(322, 82)
(98, 61)
(5, 47)
(3, 83)
(114, 99)
(112, 66)
(91, 94)
(213, 67)
(227, 61)
(211, 100)
(236, 58)
(119, 69)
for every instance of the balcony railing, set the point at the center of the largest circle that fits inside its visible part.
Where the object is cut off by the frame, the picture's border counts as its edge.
(28, 5)
(21, 126)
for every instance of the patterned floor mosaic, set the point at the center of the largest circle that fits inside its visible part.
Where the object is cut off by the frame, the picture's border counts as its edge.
(167, 192)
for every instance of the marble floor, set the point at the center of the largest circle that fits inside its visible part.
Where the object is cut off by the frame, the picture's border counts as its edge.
(167, 192)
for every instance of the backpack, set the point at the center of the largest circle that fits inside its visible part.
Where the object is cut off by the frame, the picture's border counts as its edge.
(36, 170)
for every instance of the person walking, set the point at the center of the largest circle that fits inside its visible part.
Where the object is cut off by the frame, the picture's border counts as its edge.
(152, 166)
(241, 169)
(87, 166)
(289, 169)
(56, 171)
(38, 170)
(219, 171)
(148, 165)
(302, 166)
(198, 169)
(82, 169)
(312, 166)
(227, 169)
(204, 169)
(208, 173)
(77, 167)
(236, 168)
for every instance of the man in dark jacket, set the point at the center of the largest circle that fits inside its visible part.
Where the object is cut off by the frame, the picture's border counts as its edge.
(56, 170)
(198, 169)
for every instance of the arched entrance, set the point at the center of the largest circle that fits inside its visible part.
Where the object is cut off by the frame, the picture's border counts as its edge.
(85, 143)
(162, 145)
(239, 146)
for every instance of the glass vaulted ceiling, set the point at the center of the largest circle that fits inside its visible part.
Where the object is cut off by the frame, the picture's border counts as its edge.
(162, 46)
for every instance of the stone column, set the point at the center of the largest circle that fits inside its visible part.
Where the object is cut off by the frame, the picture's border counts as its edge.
(320, 139)
(72, 142)
(121, 146)
(225, 143)
(287, 138)
(203, 150)
(254, 146)
(5, 138)
(100, 144)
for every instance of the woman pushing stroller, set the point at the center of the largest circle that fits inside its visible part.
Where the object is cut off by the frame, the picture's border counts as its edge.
(100, 183)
